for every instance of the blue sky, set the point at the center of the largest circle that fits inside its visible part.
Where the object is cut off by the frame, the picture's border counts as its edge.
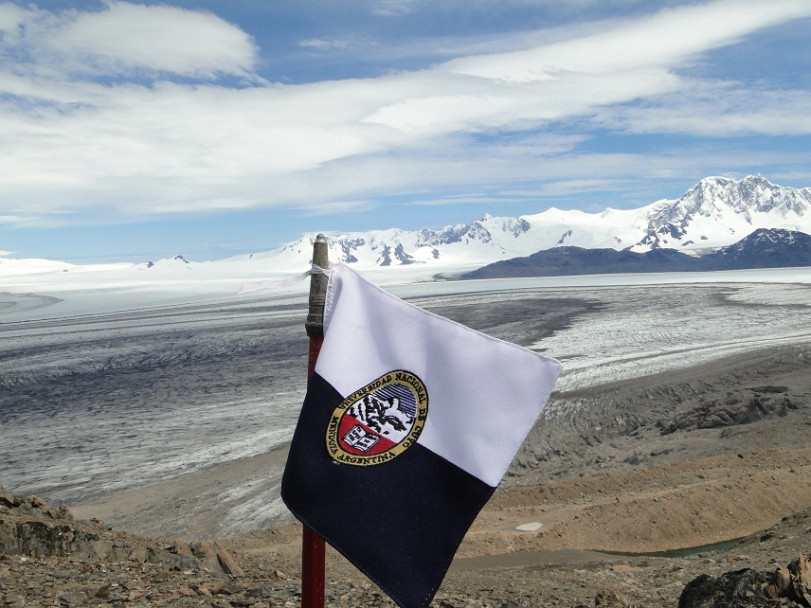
(140, 130)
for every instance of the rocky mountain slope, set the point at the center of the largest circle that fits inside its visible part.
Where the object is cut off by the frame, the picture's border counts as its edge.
(764, 248)
(48, 558)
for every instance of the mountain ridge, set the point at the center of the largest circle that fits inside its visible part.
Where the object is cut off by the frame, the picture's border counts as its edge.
(763, 248)
(714, 213)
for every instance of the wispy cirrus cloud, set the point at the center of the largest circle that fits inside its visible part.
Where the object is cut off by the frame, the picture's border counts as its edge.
(717, 109)
(127, 111)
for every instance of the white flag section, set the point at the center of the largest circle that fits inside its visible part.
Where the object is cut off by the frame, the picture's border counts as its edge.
(485, 394)
(409, 423)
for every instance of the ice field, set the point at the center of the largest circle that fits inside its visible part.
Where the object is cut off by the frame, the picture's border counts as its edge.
(108, 388)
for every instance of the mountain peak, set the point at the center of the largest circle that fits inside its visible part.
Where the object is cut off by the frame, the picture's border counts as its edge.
(752, 193)
(720, 204)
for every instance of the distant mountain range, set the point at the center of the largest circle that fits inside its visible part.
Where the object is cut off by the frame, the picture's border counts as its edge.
(703, 229)
(764, 248)
(714, 213)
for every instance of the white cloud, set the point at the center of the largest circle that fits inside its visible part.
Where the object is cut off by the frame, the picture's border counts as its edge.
(458, 199)
(576, 186)
(72, 144)
(125, 38)
(719, 109)
(11, 17)
(662, 40)
(17, 220)
(442, 101)
(323, 44)
(394, 8)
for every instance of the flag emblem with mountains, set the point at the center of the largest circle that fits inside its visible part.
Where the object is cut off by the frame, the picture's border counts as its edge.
(409, 423)
(379, 421)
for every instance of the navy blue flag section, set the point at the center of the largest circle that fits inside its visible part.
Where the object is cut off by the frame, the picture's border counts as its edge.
(409, 423)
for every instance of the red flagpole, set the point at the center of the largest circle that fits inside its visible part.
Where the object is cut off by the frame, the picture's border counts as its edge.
(313, 550)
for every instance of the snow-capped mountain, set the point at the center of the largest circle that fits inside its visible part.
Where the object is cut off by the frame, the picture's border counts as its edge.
(719, 211)
(714, 213)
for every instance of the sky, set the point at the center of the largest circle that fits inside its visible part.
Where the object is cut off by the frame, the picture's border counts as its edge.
(131, 131)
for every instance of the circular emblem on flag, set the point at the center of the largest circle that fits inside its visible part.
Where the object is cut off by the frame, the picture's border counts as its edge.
(379, 421)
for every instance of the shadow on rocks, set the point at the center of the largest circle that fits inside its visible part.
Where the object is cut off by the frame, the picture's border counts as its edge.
(749, 588)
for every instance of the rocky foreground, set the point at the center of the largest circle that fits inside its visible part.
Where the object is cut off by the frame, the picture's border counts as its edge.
(676, 460)
(49, 558)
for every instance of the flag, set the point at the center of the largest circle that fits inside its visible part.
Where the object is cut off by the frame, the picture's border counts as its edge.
(409, 422)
